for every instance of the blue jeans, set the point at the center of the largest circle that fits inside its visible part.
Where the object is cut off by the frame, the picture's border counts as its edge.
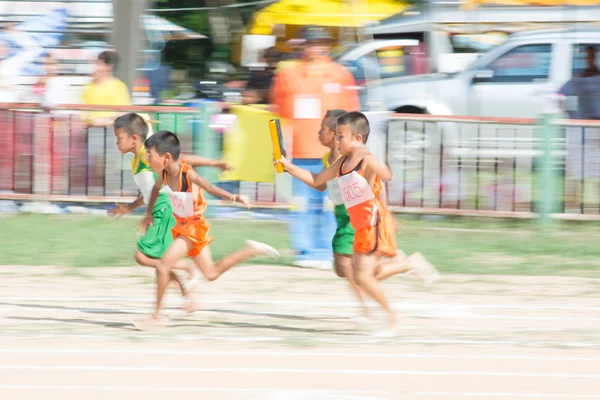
(311, 228)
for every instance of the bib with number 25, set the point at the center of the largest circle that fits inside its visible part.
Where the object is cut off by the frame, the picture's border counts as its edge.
(355, 189)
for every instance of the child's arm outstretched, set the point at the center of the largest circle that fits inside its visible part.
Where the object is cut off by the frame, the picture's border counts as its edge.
(316, 181)
(197, 161)
(148, 219)
(121, 209)
(215, 190)
(373, 166)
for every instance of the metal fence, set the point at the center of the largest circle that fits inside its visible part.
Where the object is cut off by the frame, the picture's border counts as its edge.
(52, 155)
(455, 165)
(56, 156)
(442, 165)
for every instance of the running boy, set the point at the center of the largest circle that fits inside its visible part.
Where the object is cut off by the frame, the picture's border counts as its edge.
(131, 131)
(343, 240)
(344, 234)
(359, 178)
(185, 190)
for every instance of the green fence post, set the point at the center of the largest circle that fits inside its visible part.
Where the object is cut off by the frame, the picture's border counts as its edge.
(547, 168)
(205, 140)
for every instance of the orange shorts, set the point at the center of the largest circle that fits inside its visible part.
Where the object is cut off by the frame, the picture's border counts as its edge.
(380, 238)
(196, 230)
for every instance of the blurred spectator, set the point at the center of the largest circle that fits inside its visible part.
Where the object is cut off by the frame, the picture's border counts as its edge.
(261, 79)
(160, 81)
(106, 90)
(592, 69)
(581, 100)
(257, 88)
(253, 96)
(302, 92)
(50, 90)
(296, 53)
(17, 49)
(8, 92)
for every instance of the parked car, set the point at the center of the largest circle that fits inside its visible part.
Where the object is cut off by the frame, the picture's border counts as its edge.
(505, 82)
(514, 80)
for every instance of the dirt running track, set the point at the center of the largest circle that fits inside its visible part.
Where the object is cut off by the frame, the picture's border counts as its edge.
(283, 333)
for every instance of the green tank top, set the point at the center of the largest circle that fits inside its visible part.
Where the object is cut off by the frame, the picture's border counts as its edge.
(145, 179)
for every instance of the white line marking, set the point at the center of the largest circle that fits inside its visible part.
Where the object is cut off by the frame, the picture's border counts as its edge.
(522, 318)
(296, 371)
(398, 304)
(428, 312)
(188, 389)
(174, 312)
(358, 339)
(491, 394)
(288, 354)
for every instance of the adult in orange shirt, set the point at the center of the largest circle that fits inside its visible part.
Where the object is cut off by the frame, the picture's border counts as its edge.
(302, 92)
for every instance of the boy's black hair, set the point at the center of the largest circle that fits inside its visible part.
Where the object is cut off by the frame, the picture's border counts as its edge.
(331, 117)
(110, 58)
(357, 122)
(133, 124)
(164, 142)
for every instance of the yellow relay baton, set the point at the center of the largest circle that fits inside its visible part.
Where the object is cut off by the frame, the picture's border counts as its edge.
(277, 139)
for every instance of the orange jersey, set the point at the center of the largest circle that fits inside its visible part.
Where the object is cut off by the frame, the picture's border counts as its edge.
(332, 87)
(189, 205)
(185, 195)
(360, 198)
(374, 225)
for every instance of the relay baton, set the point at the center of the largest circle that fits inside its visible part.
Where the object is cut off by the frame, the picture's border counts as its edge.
(276, 138)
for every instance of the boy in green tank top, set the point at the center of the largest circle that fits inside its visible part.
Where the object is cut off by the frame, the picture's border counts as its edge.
(131, 131)
(343, 240)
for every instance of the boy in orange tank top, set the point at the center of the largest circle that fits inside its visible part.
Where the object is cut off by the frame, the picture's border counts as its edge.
(360, 177)
(185, 189)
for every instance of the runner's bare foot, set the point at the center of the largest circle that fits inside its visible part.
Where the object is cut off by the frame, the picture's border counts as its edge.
(263, 249)
(423, 268)
(148, 324)
(193, 280)
(191, 306)
(391, 330)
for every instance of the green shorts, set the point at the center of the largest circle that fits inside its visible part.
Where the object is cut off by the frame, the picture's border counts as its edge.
(158, 237)
(343, 240)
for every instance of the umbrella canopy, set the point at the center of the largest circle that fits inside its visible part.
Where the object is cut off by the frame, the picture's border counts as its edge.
(338, 13)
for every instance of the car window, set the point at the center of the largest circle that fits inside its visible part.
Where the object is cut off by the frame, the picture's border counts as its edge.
(523, 64)
(390, 61)
(393, 61)
(579, 64)
(476, 42)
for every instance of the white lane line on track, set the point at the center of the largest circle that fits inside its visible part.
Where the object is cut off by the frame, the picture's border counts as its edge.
(304, 354)
(296, 371)
(189, 389)
(359, 338)
(508, 394)
(447, 312)
(405, 305)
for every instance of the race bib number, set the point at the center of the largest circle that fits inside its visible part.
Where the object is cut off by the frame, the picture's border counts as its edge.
(182, 203)
(335, 193)
(355, 189)
(307, 107)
